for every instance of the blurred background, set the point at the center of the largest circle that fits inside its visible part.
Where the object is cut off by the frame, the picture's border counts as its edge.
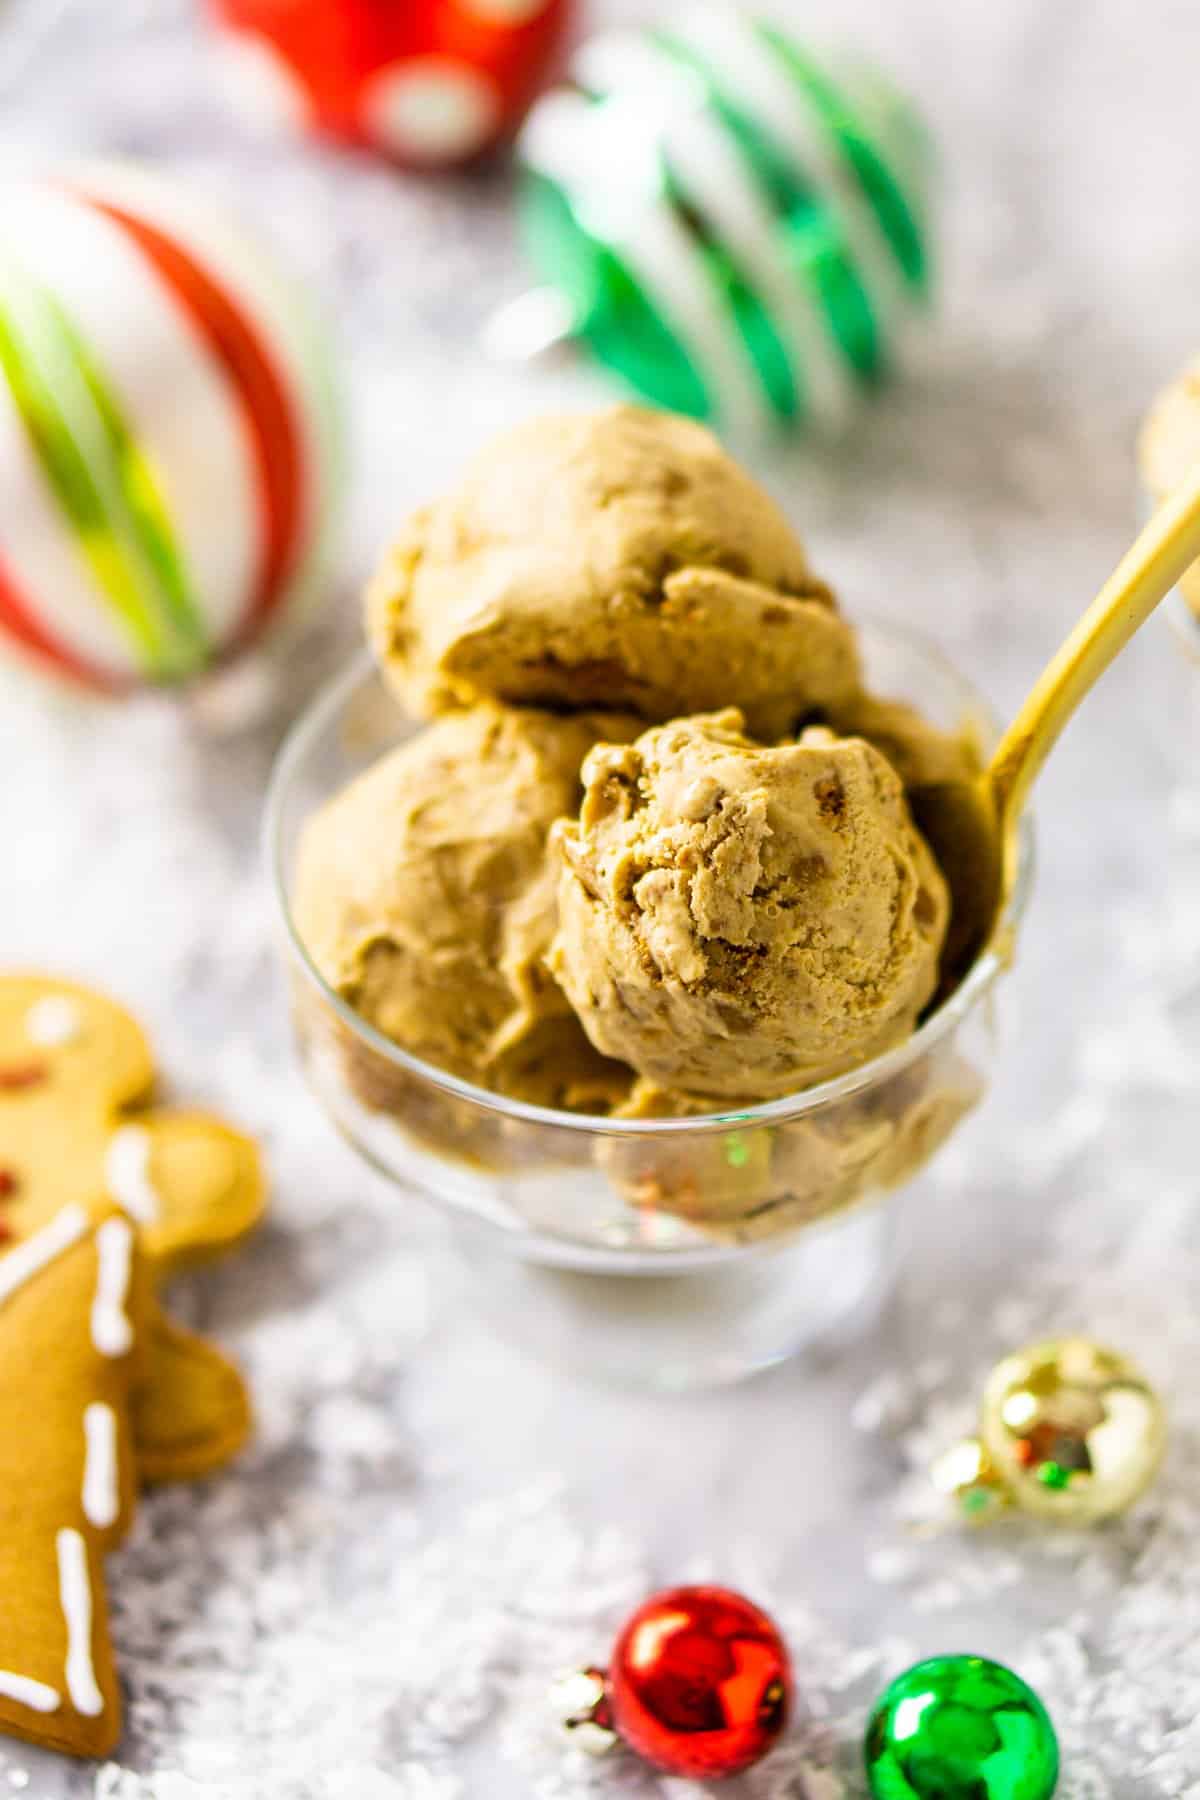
(983, 496)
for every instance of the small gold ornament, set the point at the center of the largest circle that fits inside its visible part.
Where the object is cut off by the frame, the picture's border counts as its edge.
(1069, 1431)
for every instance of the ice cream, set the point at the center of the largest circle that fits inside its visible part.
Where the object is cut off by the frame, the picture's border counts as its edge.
(1169, 447)
(425, 898)
(736, 919)
(656, 851)
(616, 559)
(756, 1180)
(921, 753)
(940, 771)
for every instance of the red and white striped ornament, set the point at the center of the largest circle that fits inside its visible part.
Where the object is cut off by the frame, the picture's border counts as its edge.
(166, 432)
(430, 83)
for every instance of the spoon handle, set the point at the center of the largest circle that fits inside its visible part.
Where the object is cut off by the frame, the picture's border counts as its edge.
(1167, 546)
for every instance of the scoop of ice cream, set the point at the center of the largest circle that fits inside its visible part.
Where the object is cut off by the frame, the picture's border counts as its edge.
(922, 754)
(741, 920)
(940, 773)
(426, 898)
(613, 559)
(1169, 447)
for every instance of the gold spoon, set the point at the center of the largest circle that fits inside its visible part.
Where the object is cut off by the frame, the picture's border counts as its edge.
(972, 828)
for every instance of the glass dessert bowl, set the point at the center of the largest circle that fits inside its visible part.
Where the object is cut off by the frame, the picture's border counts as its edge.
(1176, 713)
(1168, 445)
(672, 1252)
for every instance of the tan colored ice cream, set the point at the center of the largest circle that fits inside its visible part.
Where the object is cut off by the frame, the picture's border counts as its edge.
(940, 773)
(738, 920)
(425, 897)
(1169, 447)
(753, 1180)
(616, 559)
(921, 753)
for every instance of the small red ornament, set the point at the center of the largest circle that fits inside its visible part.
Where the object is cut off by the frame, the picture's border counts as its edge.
(429, 82)
(700, 1684)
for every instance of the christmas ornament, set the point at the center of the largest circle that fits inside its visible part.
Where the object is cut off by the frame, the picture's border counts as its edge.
(699, 1685)
(736, 227)
(1069, 1431)
(960, 1728)
(165, 432)
(431, 82)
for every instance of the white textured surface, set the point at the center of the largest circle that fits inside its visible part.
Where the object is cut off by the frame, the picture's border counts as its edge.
(367, 1607)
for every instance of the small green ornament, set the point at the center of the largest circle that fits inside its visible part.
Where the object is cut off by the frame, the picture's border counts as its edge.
(960, 1728)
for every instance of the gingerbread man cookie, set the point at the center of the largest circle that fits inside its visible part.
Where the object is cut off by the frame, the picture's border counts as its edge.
(76, 1074)
(101, 1201)
(75, 1304)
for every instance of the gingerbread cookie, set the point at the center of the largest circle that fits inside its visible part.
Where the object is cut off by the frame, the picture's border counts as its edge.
(191, 1412)
(101, 1201)
(76, 1074)
(75, 1305)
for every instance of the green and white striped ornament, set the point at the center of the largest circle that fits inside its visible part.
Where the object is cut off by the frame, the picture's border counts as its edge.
(736, 227)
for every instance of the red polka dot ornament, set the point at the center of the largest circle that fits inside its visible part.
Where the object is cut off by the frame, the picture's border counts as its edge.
(699, 1685)
(430, 83)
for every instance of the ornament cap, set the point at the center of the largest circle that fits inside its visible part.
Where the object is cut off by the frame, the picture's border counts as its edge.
(580, 1702)
(968, 1477)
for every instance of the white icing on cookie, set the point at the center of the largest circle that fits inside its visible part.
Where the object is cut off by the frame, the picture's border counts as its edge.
(27, 1692)
(101, 1488)
(20, 1265)
(127, 1173)
(75, 1595)
(53, 1020)
(112, 1331)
